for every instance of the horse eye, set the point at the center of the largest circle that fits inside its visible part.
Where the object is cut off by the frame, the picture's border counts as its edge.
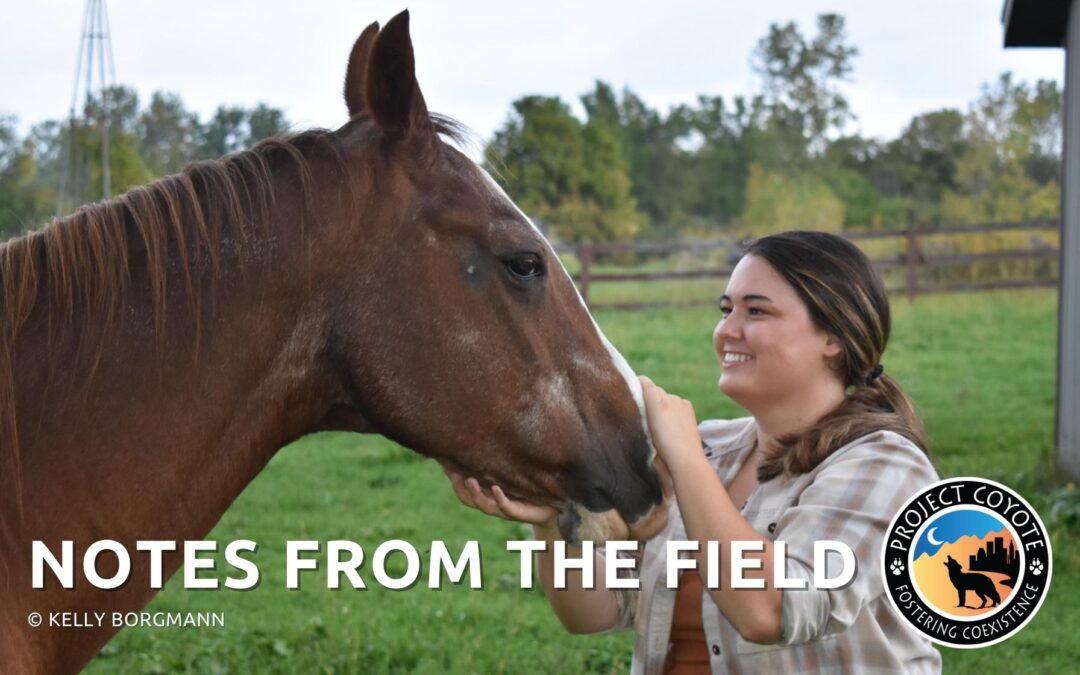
(525, 266)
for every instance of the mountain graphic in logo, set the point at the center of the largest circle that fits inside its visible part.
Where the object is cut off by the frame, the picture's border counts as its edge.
(966, 563)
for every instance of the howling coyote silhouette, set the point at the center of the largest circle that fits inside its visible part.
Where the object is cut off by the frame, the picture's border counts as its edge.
(970, 581)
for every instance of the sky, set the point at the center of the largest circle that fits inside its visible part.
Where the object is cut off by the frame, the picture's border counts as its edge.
(475, 57)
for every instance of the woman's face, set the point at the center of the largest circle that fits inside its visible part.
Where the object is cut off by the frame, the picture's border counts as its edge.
(769, 350)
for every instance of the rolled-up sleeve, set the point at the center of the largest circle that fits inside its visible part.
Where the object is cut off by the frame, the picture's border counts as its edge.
(852, 499)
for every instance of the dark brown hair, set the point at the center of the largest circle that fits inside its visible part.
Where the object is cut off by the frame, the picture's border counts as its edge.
(846, 298)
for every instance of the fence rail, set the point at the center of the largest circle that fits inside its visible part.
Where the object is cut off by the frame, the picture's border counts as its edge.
(912, 260)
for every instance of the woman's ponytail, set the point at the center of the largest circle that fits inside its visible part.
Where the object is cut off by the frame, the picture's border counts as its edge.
(878, 406)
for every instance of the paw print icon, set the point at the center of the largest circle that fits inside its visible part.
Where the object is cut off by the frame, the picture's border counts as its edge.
(1036, 567)
(896, 567)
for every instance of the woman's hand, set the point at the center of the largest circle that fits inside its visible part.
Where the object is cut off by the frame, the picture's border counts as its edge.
(496, 503)
(673, 425)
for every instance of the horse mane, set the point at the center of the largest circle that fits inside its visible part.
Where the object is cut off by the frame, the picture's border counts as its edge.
(81, 265)
(85, 259)
(85, 255)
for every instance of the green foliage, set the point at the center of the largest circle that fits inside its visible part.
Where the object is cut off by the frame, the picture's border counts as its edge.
(716, 173)
(22, 196)
(264, 122)
(776, 202)
(801, 78)
(144, 143)
(166, 133)
(928, 151)
(569, 175)
(861, 201)
(1064, 508)
(126, 168)
(1008, 170)
(780, 159)
(225, 132)
(646, 142)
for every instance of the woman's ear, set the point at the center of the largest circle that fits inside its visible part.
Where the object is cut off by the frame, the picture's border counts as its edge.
(833, 346)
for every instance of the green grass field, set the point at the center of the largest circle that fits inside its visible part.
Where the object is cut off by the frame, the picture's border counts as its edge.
(980, 367)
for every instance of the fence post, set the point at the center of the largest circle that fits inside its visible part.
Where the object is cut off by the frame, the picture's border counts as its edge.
(585, 258)
(911, 258)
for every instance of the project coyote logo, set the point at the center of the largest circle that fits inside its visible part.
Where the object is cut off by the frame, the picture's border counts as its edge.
(967, 562)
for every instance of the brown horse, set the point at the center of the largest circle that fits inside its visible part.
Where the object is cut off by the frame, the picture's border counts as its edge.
(156, 350)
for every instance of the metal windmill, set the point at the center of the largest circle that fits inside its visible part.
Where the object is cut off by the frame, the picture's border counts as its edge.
(95, 49)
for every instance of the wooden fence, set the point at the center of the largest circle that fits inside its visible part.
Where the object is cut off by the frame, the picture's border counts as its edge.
(912, 259)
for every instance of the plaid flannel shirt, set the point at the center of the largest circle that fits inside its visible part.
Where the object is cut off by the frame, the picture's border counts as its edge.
(850, 497)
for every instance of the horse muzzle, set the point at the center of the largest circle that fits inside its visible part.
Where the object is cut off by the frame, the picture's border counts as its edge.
(577, 523)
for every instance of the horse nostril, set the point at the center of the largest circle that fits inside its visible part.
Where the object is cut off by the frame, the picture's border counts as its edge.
(569, 522)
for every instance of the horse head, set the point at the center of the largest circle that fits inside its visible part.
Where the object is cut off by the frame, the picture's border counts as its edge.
(457, 330)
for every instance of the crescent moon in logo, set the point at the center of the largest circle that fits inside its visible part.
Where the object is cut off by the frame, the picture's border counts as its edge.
(930, 537)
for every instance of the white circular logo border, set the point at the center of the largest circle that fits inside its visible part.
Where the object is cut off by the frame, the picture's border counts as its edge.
(885, 557)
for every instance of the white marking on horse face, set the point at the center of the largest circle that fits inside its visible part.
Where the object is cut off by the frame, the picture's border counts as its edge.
(529, 420)
(471, 269)
(626, 371)
(582, 363)
(617, 359)
(497, 190)
(552, 399)
(469, 340)
(556, 392)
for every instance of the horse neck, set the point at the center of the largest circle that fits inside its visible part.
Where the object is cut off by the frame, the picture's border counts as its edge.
(129, 432)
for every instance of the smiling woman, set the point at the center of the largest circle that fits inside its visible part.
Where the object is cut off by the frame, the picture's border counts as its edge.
(833, 448)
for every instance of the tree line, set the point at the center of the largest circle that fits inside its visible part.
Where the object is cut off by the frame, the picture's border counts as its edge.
(779, 159)
(774, 160)
(145, 142)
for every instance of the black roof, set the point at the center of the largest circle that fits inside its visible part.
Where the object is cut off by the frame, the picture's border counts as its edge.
(1035, 23)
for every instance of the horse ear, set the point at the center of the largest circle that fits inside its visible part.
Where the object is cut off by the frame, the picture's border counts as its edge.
(356, 73)
(393, 97)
